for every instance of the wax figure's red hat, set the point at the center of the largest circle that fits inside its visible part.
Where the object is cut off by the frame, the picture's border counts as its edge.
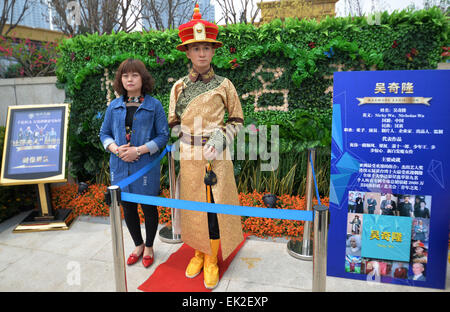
(198, 30)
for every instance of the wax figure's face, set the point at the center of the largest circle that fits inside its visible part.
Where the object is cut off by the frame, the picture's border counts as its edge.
(200, 54)
(132, 82)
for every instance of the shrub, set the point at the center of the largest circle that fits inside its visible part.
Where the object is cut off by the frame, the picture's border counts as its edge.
(34, 58)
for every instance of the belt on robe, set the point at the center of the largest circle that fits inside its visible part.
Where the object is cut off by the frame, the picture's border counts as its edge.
(194, 140)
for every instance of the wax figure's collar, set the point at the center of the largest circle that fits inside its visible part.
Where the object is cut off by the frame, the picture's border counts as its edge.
(205, 77)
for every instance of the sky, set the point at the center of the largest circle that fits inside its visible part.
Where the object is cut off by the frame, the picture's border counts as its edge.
(389, 5)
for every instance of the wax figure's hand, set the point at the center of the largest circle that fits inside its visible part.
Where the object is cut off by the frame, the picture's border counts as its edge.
(209, 152)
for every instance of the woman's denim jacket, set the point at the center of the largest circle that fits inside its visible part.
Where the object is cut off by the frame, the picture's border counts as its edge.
(150, 128)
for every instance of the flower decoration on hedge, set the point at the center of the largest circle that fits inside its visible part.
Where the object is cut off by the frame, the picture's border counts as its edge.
(446, 51)
(159, 60)
(329, 53)
(72, 56)
(234, 64)
(258, 93)
(232, 50)
(395, 44)
(151, 53)
(312, 45)
(410, 56)
(87, 58)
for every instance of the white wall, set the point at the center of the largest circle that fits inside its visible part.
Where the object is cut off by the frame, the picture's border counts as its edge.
(25, 91)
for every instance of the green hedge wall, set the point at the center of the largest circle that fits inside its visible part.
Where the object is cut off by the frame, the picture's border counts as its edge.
(296, 58)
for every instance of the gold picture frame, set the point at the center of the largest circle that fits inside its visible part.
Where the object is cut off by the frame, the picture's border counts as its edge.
(39, 138)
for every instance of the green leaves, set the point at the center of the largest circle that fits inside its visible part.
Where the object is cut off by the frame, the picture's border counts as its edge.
(304, 54)
(309, 129)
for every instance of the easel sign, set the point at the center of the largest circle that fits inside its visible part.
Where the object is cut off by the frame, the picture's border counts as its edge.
(35, 153)
(389, 177)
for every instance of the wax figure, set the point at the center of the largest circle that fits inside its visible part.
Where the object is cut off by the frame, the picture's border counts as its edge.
(198, 103)
(134, 131)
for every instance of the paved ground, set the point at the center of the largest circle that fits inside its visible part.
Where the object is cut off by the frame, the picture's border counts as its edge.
(80, 259)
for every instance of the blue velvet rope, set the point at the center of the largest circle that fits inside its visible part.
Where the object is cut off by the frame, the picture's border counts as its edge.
(128, 180)
(288, 214)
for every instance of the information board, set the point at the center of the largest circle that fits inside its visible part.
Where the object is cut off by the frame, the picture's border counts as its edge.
(389, 185)
(35, 144)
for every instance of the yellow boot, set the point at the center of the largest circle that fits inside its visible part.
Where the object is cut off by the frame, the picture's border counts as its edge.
(195, 265)
(210, 268)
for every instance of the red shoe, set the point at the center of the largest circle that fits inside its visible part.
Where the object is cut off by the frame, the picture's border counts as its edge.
(147, 261)
(133, 258)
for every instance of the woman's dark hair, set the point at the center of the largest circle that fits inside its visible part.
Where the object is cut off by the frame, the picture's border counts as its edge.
(137, 66)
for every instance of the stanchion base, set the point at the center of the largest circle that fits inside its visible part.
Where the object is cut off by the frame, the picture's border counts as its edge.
(295, 249)
(34, 222)
(166, 235)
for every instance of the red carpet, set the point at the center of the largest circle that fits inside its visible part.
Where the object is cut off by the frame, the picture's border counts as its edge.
(169, 276)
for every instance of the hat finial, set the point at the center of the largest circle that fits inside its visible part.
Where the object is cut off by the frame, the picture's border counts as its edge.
(197, 14)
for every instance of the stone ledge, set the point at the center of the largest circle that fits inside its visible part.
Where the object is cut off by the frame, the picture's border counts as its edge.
(28, 81)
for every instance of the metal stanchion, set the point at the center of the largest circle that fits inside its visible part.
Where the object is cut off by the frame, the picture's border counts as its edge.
(167, 234)
(303, 249)
(321, 217)
(117, 239)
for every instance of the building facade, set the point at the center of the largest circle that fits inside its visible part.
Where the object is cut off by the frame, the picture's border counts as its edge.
(182, 14)
(37, 16)
(317, 9)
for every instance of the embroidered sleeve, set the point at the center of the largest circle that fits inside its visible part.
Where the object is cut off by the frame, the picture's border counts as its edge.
(224, 136)
(173, 117)
(174, 120)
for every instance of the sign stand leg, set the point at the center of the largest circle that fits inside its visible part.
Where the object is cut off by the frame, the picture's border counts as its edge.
(44, 200)
(45, 219)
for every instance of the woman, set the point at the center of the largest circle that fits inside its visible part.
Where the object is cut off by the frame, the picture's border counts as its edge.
(134, 131)
(198, 103)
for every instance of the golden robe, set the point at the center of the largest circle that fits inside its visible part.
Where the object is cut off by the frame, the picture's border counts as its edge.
(198, 107)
